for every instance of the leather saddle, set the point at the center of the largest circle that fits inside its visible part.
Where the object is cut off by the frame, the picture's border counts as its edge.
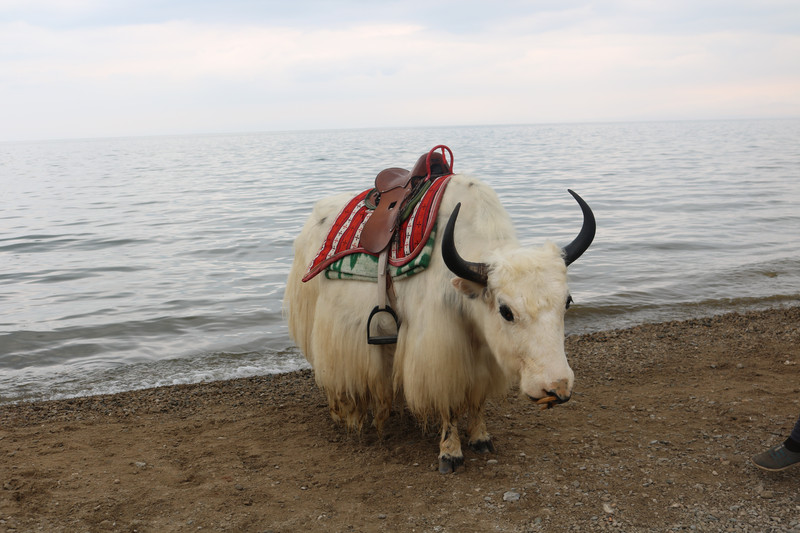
(395, 189)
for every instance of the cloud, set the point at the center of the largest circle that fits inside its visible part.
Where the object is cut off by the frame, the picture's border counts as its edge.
(400, 65)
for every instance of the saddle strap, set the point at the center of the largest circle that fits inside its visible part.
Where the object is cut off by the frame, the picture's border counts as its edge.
(382, 266)
(386, 293)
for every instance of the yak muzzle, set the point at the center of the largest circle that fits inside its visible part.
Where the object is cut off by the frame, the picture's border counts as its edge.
(560, 393)
(550, 400)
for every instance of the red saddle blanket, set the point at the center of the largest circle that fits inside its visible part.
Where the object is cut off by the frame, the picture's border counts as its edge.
(344, 237)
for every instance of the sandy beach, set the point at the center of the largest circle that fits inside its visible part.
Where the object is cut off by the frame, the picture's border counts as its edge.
(658, 437)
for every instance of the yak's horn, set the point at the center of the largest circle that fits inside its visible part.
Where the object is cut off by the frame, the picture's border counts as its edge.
(575, 249)
(477, 272)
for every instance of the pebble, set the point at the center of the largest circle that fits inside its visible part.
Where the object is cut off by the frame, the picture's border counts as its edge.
(511, 496)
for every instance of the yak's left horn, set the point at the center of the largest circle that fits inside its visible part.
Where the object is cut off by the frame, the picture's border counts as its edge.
(575, 249)
(477, 272)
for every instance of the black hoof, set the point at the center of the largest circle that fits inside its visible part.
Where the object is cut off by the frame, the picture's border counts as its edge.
(448, 464)
(482, 446)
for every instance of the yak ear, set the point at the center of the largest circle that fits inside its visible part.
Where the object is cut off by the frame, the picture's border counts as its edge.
(468, 288)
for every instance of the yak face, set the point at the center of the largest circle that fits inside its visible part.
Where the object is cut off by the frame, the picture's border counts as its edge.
(523, 295)
(520, 313)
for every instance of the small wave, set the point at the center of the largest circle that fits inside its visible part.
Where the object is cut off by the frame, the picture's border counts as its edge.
(100, 332)
(102, 244)
(51, 243)
(70, 381)
(57, 276)
(38, 243)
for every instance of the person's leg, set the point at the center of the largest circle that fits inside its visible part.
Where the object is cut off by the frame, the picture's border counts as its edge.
(783, 455)
(793, 442)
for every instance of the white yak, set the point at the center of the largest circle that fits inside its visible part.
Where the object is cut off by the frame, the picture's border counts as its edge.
(485, 316)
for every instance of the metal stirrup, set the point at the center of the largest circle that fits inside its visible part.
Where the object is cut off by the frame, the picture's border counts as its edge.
(384, 308)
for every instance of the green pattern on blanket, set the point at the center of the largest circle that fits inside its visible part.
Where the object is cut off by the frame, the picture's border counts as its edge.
(364, 267)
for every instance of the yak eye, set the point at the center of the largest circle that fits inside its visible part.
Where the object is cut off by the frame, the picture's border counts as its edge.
(569, 300)
(507, 313)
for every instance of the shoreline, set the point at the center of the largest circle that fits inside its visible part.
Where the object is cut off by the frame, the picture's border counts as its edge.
(65, 387)
(657, 436)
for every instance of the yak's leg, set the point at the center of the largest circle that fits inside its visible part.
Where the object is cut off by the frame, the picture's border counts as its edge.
(479, 439)
(333, 407)
(450, 456)
(345, 410)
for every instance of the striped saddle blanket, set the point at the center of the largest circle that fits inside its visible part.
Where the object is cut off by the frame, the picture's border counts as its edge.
(342, 257)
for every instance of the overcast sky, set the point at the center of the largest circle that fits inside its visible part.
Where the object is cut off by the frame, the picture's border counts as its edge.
(97, 68)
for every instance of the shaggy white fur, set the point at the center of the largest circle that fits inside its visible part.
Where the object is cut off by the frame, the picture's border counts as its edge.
(459, 343)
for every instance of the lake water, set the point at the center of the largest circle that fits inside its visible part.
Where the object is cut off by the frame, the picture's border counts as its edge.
(137, 262)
